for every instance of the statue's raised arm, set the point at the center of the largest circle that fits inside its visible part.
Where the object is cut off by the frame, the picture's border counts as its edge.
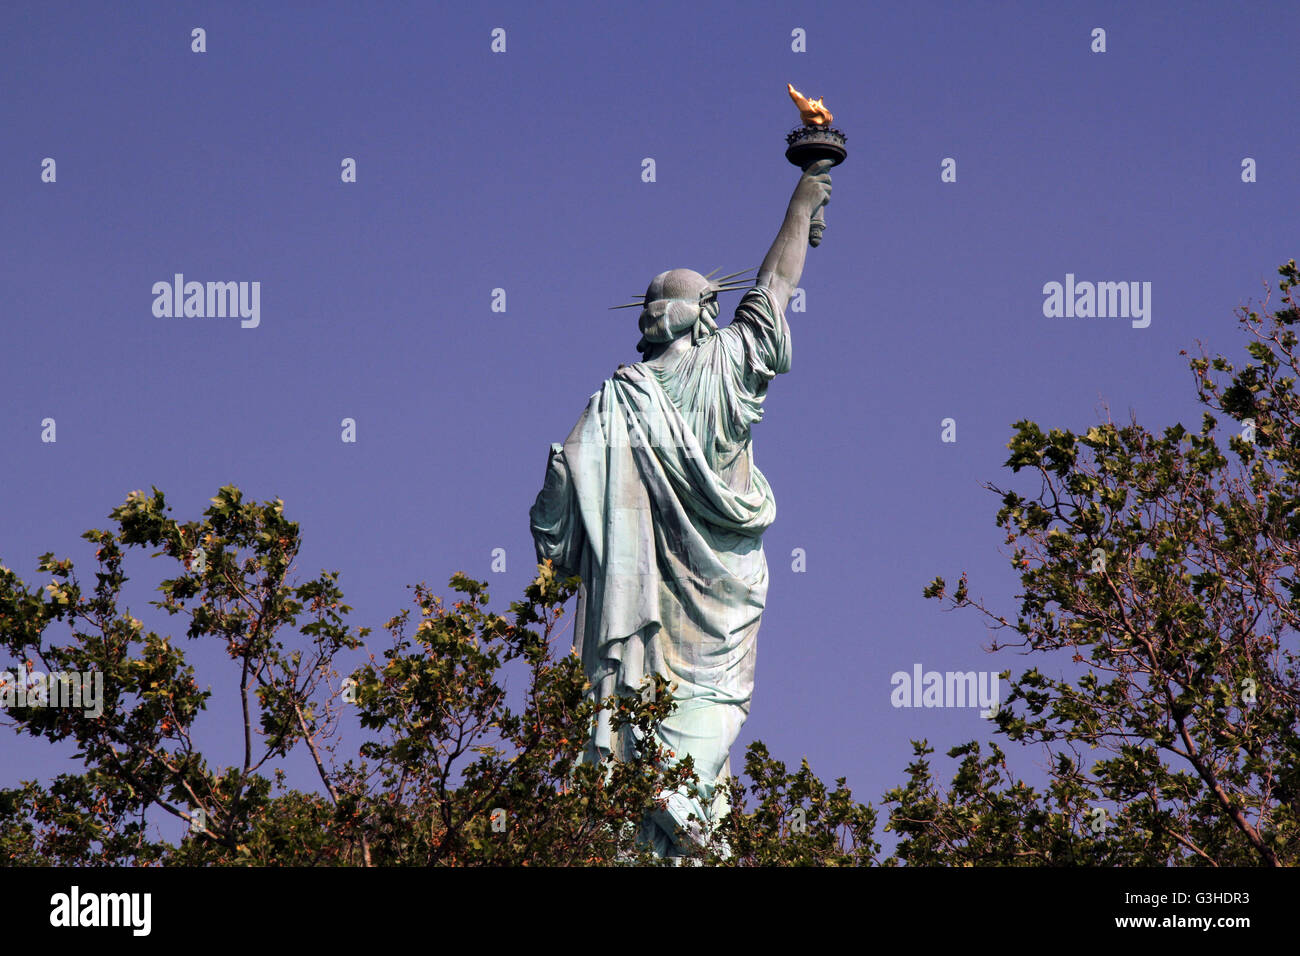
(783, 264)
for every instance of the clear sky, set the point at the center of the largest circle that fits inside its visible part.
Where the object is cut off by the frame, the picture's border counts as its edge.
(522, 171)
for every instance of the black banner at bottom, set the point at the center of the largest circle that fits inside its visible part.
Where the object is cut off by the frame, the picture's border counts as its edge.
(350, 906)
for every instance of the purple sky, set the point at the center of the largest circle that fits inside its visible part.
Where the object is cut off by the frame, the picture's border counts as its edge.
(522, 171)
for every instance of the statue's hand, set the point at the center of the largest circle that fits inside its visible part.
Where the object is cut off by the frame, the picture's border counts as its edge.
(814, 188)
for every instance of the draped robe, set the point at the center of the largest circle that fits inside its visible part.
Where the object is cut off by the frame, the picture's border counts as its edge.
(655, 501)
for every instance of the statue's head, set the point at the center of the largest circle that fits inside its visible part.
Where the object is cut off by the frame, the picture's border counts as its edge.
(677, 303)
(681, 301)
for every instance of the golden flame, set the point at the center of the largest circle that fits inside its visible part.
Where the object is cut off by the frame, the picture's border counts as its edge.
(812, 112)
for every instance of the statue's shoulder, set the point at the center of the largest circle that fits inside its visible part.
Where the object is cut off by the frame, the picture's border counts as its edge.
(760, 297)
(634, 372)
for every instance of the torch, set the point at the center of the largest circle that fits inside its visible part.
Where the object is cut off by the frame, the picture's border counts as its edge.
(815, 139)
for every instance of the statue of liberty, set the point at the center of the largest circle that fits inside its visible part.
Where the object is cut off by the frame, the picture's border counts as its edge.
(654, 500)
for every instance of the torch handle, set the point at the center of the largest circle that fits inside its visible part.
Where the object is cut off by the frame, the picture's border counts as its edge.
(816, 227)
(825, 155)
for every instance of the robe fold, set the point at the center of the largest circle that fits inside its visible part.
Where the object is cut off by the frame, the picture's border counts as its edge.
(655, 501)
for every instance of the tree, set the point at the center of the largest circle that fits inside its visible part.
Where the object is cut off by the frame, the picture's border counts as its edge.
(449, 772)
(1160, 578)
